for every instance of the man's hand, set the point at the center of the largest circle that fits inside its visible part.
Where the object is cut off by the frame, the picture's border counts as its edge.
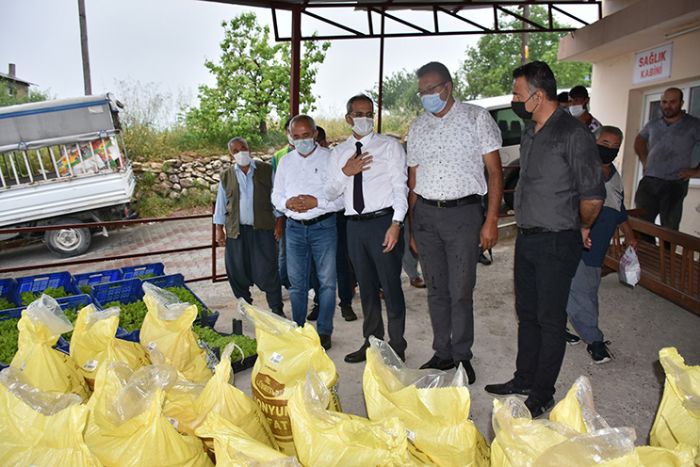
(585, 232)
(220, 235)
(356, 164)
(301, 203)
(689, 173)
(489, 234)
(279, 228)
(391, 238)
(630, 237)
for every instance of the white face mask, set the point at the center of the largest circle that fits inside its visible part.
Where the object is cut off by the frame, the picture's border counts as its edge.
(305, 146)
(362, 125)
(576, 110)
(242, 158)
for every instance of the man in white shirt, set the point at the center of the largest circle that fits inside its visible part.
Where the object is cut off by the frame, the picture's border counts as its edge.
(369, 171)
(310, 231)
(244, 221)
(449, 145)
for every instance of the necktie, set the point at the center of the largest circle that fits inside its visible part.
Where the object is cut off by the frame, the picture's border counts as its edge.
(358, 199)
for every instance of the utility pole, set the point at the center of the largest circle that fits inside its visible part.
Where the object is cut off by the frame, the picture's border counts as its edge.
(84, 47)
(525, 37)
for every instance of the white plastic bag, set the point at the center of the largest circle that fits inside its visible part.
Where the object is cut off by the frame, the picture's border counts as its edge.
(630, 270)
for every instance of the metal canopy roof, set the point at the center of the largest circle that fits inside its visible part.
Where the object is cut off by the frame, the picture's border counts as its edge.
(438, 12)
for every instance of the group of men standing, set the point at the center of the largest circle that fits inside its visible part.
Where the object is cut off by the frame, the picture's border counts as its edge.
(437, 187)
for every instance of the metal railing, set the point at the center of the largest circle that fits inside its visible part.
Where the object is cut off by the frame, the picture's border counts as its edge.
(214, 277)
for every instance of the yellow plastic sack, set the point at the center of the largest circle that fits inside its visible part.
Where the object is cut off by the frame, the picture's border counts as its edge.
(433, 405)
(327, 438)
(167, 327)
(41, 428)
(233, 447)
(678, 417)
(94, 343)
(575, 435)
(43, 367)
(286, 352)
(126, 425)
(189, 409)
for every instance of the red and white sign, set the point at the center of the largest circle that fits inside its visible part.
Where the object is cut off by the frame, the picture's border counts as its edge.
(653, 64)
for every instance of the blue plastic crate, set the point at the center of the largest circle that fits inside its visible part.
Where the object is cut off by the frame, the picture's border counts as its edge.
(7, 290)
(207, 317)
(65, 302)
(74, 301)
(41, 282)
(123, 291)
(98, 277)
(131, 272)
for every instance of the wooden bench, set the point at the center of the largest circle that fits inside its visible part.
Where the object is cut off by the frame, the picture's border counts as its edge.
(670, 268)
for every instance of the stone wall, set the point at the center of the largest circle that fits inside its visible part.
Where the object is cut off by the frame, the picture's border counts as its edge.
(174, 177)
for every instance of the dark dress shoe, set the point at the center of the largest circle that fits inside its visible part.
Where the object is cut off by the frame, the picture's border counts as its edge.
(471, 376)
(358, 355)
(325, 341)
(418, 282)
(537, 408)
(438, 363)
(279, 312)
(506, 388)
(348, 313)
(313, 316)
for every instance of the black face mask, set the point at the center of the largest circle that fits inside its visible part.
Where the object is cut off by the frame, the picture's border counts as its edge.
(519, 109)
(607, 155)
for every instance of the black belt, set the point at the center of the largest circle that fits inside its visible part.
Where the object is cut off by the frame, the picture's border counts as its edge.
(372, 215)
(536, 230)
(320, 218)
(451, 203)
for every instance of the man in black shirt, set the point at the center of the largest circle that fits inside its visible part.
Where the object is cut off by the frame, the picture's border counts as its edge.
(559, 195)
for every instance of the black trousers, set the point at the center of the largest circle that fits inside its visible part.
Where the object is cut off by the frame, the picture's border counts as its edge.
(545, 263)
(251, 259)
(663, 198)
(375, 270)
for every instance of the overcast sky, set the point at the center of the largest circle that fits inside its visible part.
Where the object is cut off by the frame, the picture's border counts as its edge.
(165, 42)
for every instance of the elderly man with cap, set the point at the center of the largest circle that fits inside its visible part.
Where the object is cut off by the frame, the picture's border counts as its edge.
(578, 107)
(310, 231)
(245, 222)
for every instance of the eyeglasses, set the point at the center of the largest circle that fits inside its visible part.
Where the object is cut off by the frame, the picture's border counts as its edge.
(425, 92)
(360, 114)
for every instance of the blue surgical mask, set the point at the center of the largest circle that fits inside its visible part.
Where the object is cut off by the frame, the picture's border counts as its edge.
(432, 103)
(305, 146)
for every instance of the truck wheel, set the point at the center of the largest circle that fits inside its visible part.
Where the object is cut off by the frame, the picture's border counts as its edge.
(68, 242)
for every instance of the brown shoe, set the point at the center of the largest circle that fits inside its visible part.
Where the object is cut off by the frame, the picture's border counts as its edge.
(418, 282)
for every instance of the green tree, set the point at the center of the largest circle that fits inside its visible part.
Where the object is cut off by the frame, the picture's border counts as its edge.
(9, 98)
(487, 70)
(252, 83)
(399, 94)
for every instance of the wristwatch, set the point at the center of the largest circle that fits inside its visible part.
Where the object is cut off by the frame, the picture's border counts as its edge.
(399, 223)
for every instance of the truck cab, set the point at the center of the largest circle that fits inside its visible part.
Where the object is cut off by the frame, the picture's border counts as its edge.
(63, 162)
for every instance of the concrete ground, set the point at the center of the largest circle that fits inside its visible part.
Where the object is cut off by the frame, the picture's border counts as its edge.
(627, 390)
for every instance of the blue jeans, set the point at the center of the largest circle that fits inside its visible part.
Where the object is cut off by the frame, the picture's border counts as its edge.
(306, 244)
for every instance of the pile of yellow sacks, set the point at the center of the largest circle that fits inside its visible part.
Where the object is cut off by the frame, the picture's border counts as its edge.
(167, 401)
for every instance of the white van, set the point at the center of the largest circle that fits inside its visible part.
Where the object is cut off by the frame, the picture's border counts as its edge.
(511, 127)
